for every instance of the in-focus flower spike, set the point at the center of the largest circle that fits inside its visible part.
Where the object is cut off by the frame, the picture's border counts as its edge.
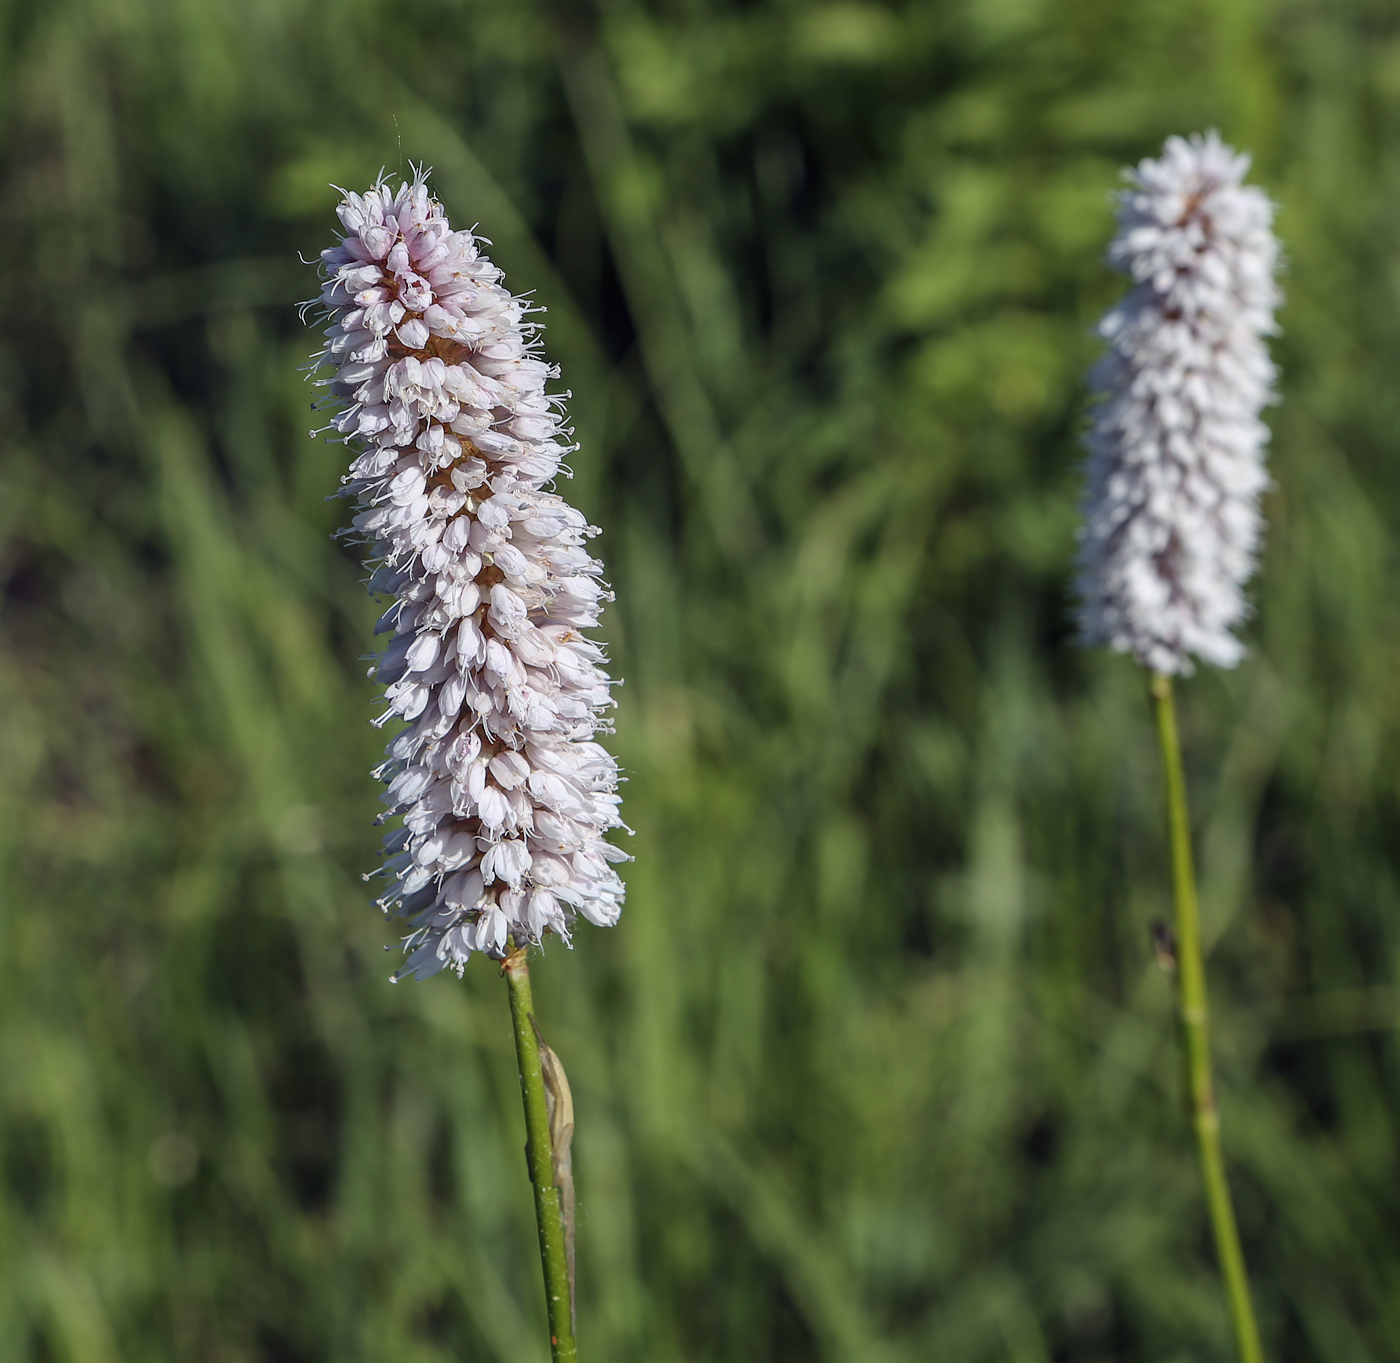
(1176, 466)
(437, 386)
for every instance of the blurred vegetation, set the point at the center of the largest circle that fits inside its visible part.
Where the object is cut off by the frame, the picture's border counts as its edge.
(878, 1066)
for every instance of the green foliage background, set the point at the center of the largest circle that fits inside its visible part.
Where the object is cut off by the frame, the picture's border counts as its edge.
(878, 1066)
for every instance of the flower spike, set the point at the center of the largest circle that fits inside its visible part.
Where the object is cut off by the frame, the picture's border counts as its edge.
(437, 386)
(1176, 462)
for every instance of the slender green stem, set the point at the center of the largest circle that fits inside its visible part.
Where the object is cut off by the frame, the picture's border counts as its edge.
(540, 1154)
(1195, 1033)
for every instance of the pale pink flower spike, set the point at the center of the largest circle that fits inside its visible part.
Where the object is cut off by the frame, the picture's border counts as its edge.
(438, 389)
(1176, 452)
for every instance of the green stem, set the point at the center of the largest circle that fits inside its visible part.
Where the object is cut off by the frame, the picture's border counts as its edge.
(1191, 995)
(540, 1154)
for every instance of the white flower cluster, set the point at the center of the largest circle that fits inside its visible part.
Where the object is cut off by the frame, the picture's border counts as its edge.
(1176, 466)
(438, 390)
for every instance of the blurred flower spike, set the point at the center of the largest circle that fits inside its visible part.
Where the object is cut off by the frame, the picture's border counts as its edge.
(437, 386)
(1176, 466)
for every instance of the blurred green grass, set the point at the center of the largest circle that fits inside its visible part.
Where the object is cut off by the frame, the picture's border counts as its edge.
(877, 1066)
